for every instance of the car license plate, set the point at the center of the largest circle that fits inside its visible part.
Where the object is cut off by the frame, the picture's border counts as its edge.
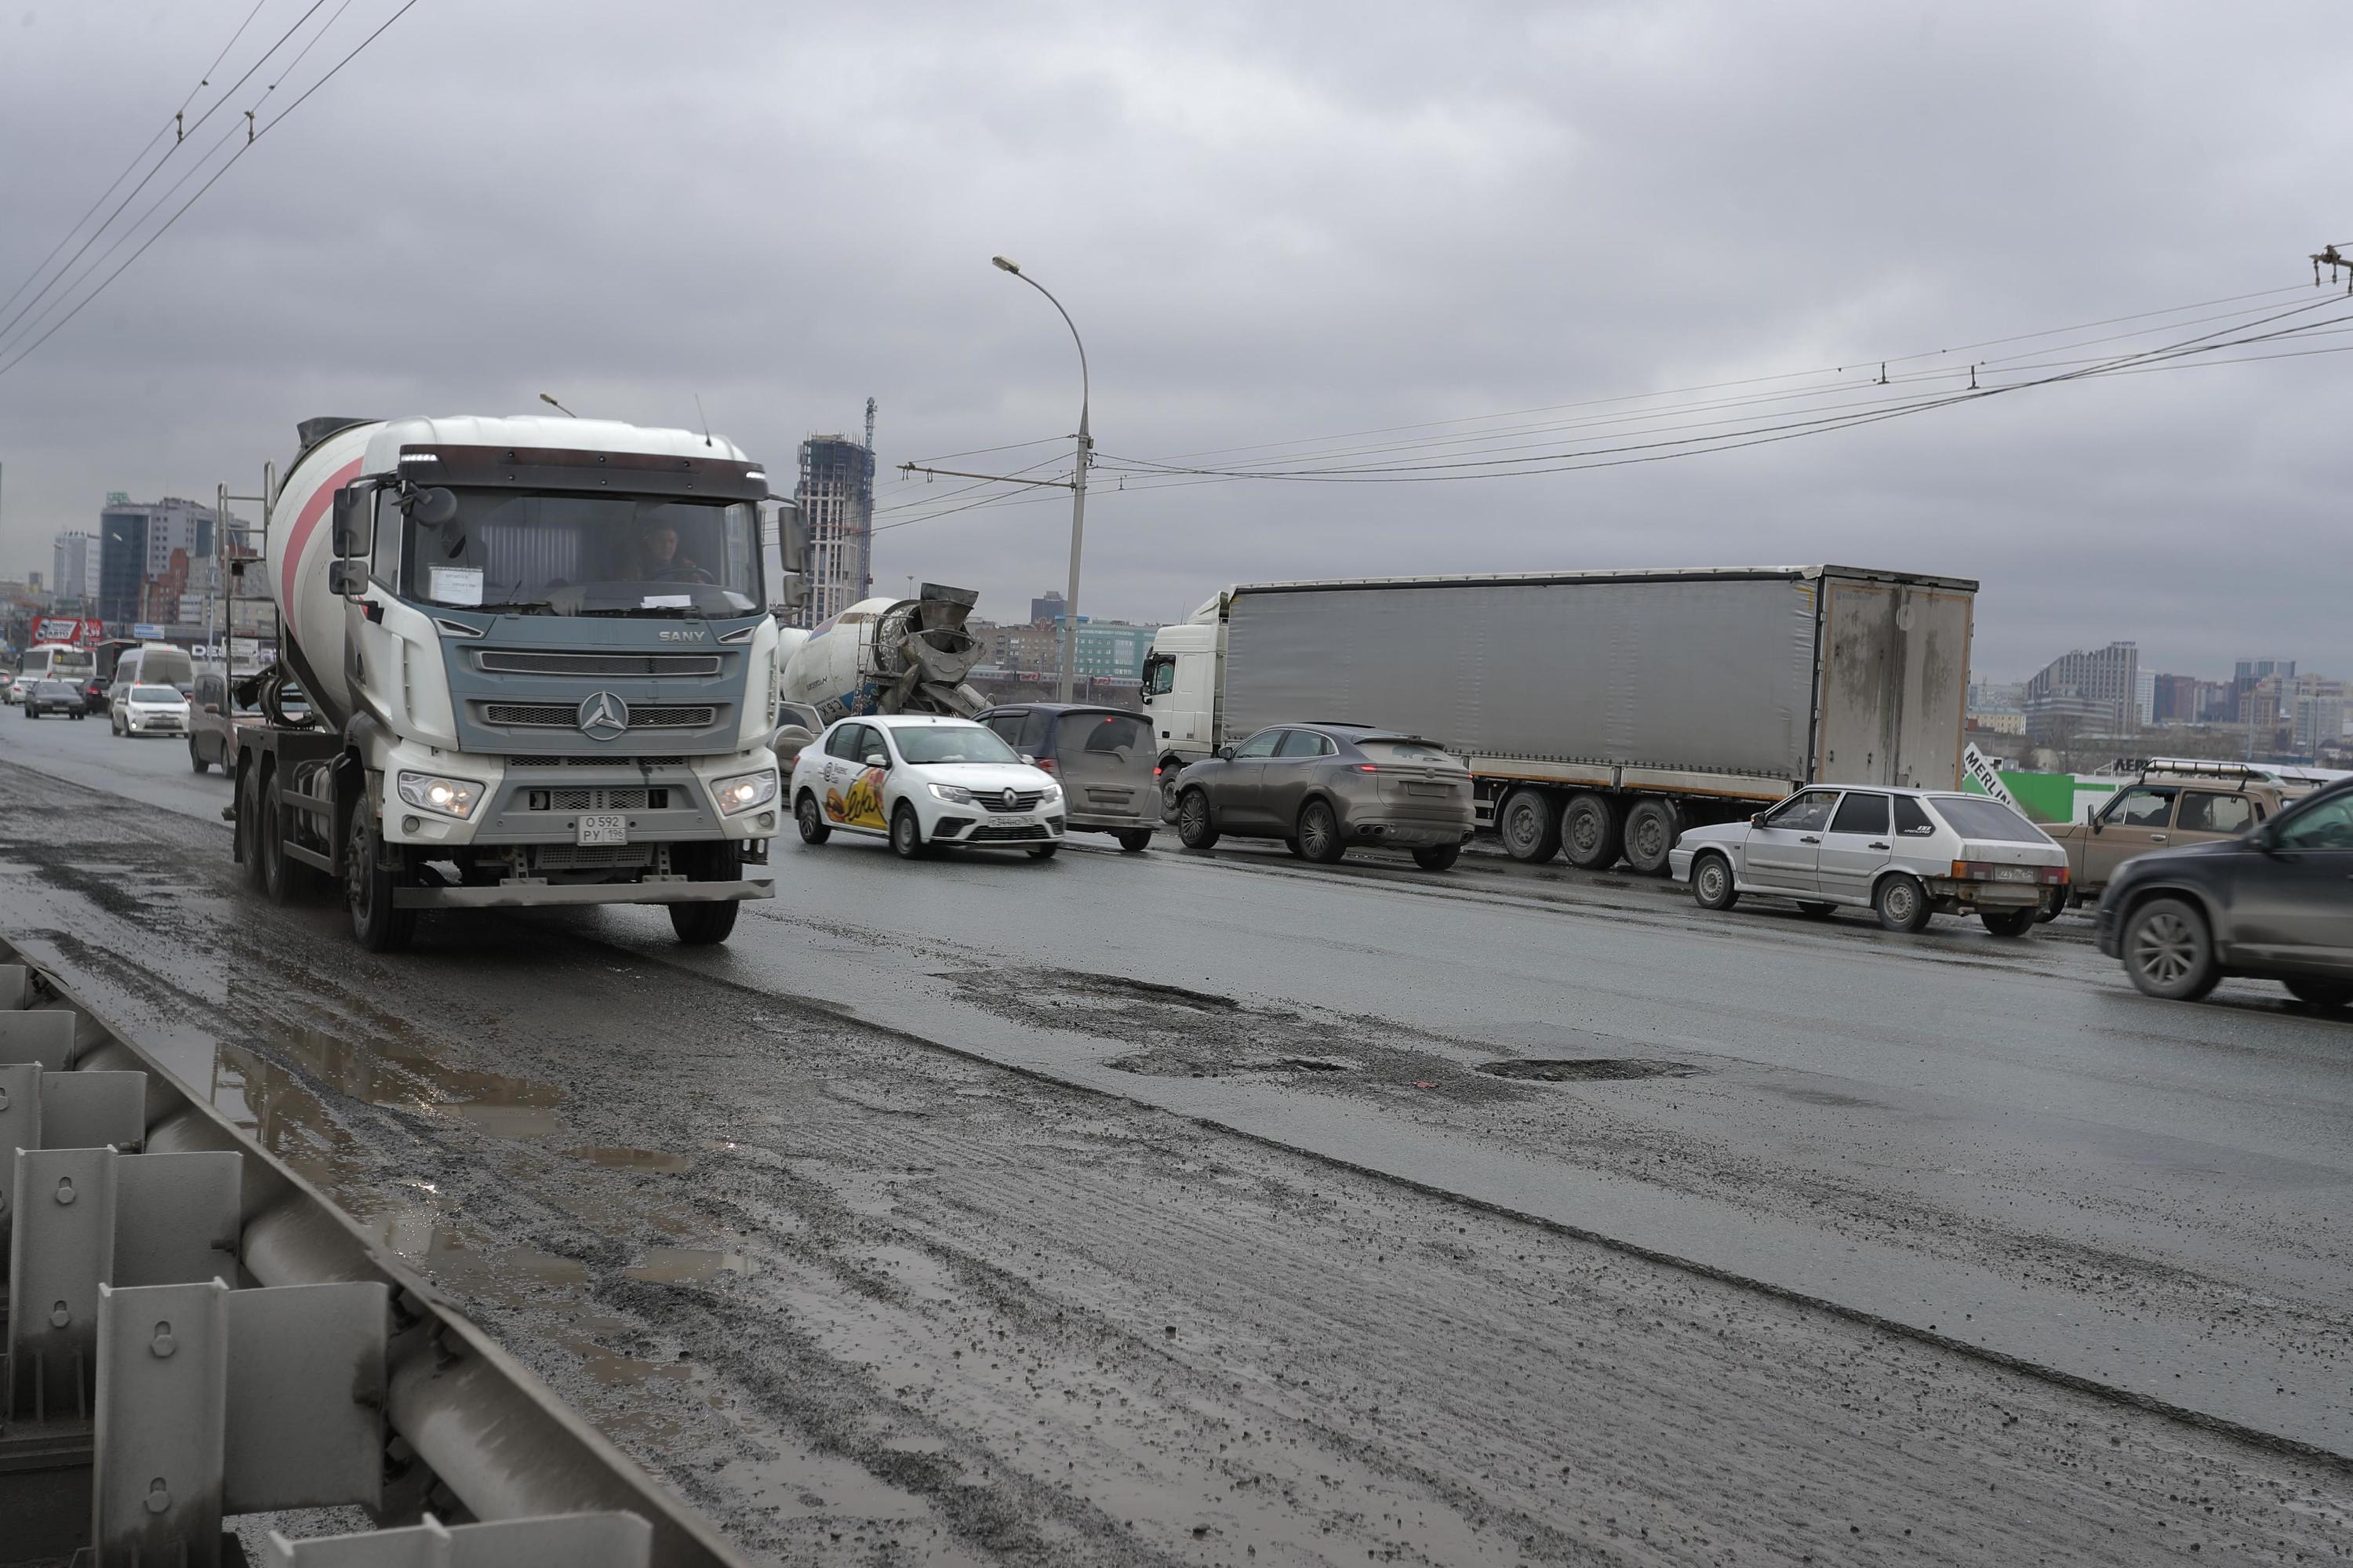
(601, 828)
(1419, 789)
(2013, 873)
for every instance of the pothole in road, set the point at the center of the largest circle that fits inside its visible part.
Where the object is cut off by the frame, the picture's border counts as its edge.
(1584, 1069)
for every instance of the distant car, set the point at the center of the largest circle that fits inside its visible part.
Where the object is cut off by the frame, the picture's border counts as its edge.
(797, 727)
(54, 698)
(2165, 808)
(95, 695)
(1322, 789)
(9, 692)
(924, 782)
(222, 707)
(2273, 903)
(1104, 757)
(135, 709)
(1904, 853)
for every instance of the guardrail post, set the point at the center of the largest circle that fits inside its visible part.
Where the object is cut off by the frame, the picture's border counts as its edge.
(162, 1402)
(61, 1251)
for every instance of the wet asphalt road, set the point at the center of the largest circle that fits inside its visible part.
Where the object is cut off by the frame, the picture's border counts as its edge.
(638, 1159)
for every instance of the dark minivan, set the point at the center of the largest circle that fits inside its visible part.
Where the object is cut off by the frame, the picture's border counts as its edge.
(2273, 903)
(1101, 757)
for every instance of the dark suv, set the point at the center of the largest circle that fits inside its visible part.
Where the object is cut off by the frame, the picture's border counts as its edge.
(2273, 903)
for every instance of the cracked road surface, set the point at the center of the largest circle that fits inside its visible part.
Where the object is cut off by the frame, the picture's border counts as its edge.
(1184, 1211)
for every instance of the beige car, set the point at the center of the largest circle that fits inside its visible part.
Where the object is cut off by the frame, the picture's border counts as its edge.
(2163, 810)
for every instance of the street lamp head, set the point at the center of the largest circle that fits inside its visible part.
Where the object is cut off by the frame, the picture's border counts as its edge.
(1001, 264)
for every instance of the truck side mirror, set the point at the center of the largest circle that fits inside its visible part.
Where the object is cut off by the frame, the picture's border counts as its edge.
(347, 579)
(352, 526)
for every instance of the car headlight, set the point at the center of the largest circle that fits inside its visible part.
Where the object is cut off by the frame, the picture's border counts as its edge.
(445, 796)
(1053, 793)
(954, 793)
(742, 791)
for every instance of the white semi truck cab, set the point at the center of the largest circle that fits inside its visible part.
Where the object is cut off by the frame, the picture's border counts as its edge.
(541, 666)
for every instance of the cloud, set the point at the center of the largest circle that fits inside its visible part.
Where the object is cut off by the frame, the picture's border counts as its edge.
(1271, 224)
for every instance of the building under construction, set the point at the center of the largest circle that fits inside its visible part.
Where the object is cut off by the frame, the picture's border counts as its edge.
(837, 502)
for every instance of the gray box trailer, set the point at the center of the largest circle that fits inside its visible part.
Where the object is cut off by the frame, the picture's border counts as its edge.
(1602, 712)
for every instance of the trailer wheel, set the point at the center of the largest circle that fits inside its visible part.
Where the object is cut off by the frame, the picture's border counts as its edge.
(377, 923)
(1592, 833)
(707, 925)
(1528, 826)
(1652, 829)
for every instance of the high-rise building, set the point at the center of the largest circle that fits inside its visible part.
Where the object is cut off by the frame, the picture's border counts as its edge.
(1046, 609)
(2144, 696)
(2175, 699)
(837, 501)
(135, 543)
(2095, 691)
(73, 563)
(2257, 669)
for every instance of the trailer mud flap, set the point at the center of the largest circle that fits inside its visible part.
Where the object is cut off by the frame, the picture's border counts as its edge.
(525, 895)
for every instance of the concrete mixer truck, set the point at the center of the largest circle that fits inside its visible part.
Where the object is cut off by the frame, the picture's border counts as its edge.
(540, 669)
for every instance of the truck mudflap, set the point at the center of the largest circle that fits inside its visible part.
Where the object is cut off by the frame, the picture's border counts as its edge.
(539, 895)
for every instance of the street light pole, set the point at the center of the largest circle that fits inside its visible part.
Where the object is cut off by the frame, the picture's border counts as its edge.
(1078, 483)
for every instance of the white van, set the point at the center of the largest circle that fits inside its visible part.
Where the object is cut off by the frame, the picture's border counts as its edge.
(156, 664)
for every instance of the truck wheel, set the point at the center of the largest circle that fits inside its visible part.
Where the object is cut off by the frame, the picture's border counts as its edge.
(1528, 826)
(377, 924)
(1712, 884)
(708, 925)
(811, 818)
(1319, 834)
(1592, 834)
(1652, 829)
(906, 834)
(2169, 951)
(277, 873)
(248, 840)
(1169, 805)
(1901, 903)
(1136, 841)
(2008, 922)
(1193, 822)
(1438, 857)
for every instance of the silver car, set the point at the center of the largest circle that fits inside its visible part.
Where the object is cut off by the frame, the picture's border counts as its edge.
(1904, 853)
(1103, 756)
(1322, 787)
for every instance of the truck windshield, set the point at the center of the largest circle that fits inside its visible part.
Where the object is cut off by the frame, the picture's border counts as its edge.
(586, 555)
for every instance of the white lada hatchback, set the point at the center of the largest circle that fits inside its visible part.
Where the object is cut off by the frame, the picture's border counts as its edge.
(922, 782)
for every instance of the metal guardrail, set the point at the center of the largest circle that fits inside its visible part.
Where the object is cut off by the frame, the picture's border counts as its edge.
(193, 1332)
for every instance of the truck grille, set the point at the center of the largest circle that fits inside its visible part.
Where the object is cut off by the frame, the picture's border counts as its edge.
(592, 857)
(566, 715)
(519, 662)
(597, 761)
(582, 798)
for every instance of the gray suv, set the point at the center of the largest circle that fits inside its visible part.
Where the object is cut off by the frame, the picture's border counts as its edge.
(1101, 757)
(1321, 788)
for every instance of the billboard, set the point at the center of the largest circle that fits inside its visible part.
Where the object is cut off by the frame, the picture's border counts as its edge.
(82, 631)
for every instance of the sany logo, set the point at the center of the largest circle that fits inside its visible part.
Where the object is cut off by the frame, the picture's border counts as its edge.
(682, 634)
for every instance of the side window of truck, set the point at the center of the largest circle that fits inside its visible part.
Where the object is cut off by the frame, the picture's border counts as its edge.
(386, 565)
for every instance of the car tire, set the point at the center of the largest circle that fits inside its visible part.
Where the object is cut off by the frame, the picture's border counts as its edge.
(706, 924)
(1652, 828)
(377, 924)
(114, 724)
(2045, 915)
(1712, 882)
(1815, 909)
(1043, 851)
(1136, 841)
(2331, 995)
(906, 834)
(1902, 904)
(196, 762)
(1592, 831)
(1319, 834)
(2169, 950)
(1528, 826)
(1195, 826)
(2008, 922)
(811, 818)
(1438, 857)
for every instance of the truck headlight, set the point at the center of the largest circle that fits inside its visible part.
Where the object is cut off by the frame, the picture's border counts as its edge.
(445, 796)
(742, 791)
(954, 793)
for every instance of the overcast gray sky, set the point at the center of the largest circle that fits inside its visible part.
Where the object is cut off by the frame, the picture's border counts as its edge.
(1273, 223)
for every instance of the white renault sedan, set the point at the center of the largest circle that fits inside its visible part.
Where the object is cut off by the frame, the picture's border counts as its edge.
(922, 781)
(1904, 853)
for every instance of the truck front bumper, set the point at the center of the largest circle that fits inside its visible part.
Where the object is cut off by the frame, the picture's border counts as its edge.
(542, 805)
(528, 895)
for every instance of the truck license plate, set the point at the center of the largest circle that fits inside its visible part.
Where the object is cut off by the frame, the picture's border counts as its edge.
(601, 828)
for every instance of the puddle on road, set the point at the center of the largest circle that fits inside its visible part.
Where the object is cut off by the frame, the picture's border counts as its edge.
(1584, 1069)
(686, 1265)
